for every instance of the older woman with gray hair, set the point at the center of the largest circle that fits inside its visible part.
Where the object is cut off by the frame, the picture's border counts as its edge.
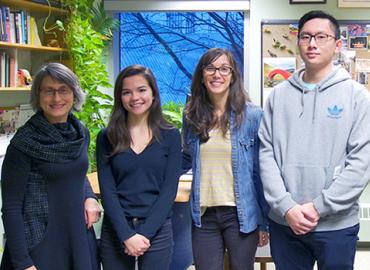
(48, 204)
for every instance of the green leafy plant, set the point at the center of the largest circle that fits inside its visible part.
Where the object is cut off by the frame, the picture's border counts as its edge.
(172, 112)
(103, 23)
(86, 46)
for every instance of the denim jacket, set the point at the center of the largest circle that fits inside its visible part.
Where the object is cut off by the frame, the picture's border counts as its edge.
(251, 206)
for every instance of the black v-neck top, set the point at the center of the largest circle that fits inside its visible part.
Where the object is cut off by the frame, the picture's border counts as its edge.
(140, 185)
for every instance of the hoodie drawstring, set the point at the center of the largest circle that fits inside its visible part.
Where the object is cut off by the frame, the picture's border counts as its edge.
(302, 102)
(314, 104)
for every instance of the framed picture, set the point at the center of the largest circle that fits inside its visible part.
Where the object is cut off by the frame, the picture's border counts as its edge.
(354, 3)
(357, 43)
(307, 1)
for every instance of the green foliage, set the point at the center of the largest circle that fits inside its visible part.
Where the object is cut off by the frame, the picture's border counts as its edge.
(101, 22)
(172, 112)
(86, 47)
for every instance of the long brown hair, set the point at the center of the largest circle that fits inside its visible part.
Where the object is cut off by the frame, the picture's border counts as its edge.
(118, 131)
(199, 110)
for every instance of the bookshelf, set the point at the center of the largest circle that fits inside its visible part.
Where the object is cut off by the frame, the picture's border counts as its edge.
(28, 55)
(30, 6)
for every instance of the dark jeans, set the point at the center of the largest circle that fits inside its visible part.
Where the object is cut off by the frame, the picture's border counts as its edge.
(157, 257)
(333, 250)
(182, 256)
(220, 231)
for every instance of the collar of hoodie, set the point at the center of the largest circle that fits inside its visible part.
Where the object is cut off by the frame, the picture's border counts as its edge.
(337, 75)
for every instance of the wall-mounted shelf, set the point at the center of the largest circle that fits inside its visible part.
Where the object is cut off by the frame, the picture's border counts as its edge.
(14, 89)
(31, 47)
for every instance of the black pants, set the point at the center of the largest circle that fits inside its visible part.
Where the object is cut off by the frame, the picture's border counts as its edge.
(220, 231)
(157, 257)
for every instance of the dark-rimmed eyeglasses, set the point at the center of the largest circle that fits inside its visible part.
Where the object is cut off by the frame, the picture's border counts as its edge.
(320, 38)
(223, 70)
(50, 92)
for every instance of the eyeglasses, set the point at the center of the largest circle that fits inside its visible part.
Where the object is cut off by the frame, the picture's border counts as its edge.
(224, 70)
(50, 92)
(320, 38)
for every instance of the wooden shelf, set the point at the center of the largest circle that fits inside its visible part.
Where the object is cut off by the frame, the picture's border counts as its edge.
(24, 4)
(14, 89)
(31, 47)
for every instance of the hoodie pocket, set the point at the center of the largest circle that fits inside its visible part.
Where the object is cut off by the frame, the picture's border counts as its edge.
(305, 183)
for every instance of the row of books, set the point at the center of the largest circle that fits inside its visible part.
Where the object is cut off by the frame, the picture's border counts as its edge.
(18, 26)
(8, 69)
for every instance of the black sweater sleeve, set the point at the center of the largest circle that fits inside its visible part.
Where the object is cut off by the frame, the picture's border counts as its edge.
(163, 205)
(87, 186)
(89, 193)
(14, 177)
(112, 207)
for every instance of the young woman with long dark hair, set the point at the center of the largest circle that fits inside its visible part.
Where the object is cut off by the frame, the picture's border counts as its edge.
(138, 158)
(221, 146)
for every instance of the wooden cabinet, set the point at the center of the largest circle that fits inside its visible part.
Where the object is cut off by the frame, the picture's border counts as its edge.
(29, 56)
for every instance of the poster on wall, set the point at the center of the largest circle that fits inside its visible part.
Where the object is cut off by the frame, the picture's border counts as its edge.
(356, 30)
(8, 120)
(344, 36)
(277, 69)
(362, 65)
(358, 43)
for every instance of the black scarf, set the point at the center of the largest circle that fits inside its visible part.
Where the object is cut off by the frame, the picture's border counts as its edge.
(55, 143)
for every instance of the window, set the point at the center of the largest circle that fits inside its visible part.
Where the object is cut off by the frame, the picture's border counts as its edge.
(171, 43)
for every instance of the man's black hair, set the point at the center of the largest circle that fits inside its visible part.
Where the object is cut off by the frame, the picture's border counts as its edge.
(319, 14)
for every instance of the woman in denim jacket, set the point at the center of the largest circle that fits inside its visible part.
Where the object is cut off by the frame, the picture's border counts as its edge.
(221, 146)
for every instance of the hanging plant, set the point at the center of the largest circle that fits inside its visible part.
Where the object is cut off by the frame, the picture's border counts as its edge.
(86, 46)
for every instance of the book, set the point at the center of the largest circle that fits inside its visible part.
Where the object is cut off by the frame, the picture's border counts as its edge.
(1, 24)
(12, 27)
(6, 83)
(1, 70)
(35, 38)
(7, 24)
(12, 71)
(28, 28)
(23, 31)
(16, 26)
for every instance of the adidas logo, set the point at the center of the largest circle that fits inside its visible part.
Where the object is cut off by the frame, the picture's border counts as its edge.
(335, 112)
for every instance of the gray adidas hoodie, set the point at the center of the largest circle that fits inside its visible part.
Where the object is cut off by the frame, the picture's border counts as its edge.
(315, 147)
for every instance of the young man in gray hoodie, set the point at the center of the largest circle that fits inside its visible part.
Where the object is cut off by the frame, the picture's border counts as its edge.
(315, 155)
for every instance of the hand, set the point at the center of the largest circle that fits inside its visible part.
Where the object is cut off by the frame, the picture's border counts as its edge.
(31, 268)
(136, 245)
(310, 212)
(263, 238)
(92, 212)
(297, 220)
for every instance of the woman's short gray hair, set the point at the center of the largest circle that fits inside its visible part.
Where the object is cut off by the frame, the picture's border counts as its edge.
(60, 73)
